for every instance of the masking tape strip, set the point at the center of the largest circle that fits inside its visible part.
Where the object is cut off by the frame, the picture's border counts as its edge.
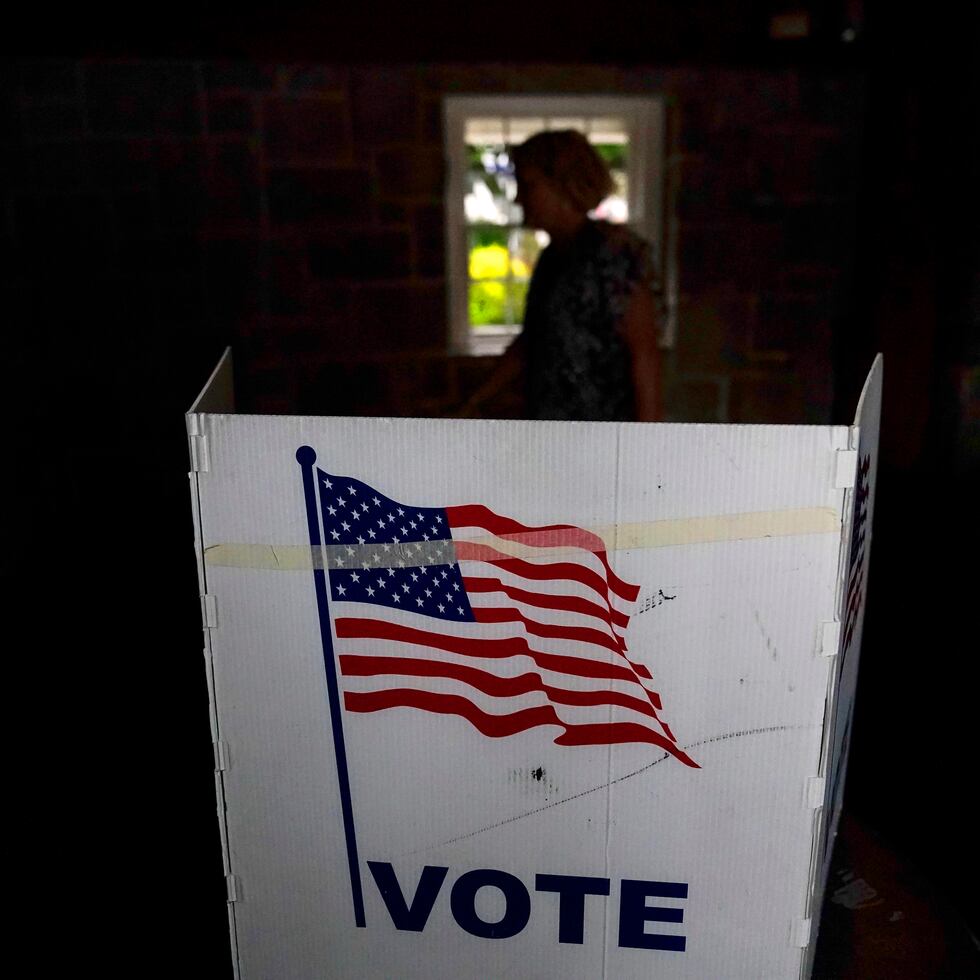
(618, 537)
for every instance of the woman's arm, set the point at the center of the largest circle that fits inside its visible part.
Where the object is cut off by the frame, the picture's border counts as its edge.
(641, 330)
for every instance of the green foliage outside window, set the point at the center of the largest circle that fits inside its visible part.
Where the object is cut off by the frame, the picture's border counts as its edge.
(614, 154)
(498, 286)
(489, 306)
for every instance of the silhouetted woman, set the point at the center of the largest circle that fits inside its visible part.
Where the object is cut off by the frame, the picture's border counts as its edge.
(589, 344)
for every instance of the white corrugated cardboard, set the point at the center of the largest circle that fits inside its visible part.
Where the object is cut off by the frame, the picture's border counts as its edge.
(600, 732)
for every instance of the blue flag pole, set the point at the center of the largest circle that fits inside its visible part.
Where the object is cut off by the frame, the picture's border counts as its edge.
(306, 457)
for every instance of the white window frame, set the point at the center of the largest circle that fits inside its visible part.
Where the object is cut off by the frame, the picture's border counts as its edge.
(645, 119)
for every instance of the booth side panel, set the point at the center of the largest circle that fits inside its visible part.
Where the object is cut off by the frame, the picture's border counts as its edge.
(209, 623)
(852, 588)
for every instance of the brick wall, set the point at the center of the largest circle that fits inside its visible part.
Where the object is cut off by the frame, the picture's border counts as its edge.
(295, 211)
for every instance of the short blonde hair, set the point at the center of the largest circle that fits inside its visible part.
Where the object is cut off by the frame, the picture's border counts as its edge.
(566, 157)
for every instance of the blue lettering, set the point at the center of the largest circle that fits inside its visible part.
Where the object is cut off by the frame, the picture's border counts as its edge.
(634, 913)
(517, 909)
(572, 890)
(411, 918)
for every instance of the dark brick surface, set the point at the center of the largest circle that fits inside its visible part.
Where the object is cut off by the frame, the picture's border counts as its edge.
(136, 214)
(771, 398)
(346, 389)
(750, 99)
(816, 232)
(51, 166)
(789, 322)
(234, 185)
(288, 278)
(707, 253)
(245, 75)
(432, 129)
(804, 164)
(383, 105)
(48, 78)
(306, 129)
(460, 78)
(752, 251)
(182, 183)
(233, 273)
(836, 102)
(123, 163)
(639, 81)
(299, 79)
(59, 120)
(401, 317)
(693, 124)
(65, 235)
(340, 195)
(144, 98)
(303, 339)
(331, 303)
(411, 172)
(564, 78)
(697, 400)
(429, 228)
(392, 212)
(230, 112)
(236, 161)
(365, 255)
(177, 266)
(349, 163)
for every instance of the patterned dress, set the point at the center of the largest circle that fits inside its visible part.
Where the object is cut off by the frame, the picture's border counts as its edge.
(578, 361)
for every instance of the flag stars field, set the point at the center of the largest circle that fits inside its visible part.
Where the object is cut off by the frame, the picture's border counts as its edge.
(400, 545)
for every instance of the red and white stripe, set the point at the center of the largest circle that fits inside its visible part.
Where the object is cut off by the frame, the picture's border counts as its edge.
(547, 648)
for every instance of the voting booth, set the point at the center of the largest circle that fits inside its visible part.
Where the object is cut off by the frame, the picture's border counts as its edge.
(528, 699)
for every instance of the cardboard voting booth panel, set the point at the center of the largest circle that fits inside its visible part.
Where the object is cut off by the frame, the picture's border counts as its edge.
(529, 699)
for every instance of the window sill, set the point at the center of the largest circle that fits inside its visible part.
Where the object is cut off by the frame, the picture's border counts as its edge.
(488, 341)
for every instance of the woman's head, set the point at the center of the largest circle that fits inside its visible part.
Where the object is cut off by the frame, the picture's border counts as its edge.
(568, 165)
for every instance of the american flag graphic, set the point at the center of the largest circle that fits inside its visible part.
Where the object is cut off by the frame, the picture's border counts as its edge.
(460, 611)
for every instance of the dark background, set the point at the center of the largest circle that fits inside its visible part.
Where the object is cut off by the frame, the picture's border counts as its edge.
(177, 179)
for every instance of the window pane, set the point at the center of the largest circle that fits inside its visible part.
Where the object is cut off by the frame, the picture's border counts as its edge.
(488, 158)
(500, 264)
(489, 130)
(482, 235)
(567, 122)
(518, 300)
(524, 250)
(520, 128)
(487, 301)
(489, 202)
(616, 155)
(489, 259)
(490, 185)
(608, 129)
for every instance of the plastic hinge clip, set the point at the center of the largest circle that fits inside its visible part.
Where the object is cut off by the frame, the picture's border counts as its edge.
(220, 756)
(231, 883)
(801, 933)
(830, 638)
(209, 611)
(815, 787)
(200, 457)
(846, 473)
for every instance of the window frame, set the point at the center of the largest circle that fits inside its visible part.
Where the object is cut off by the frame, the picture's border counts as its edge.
(647, 195)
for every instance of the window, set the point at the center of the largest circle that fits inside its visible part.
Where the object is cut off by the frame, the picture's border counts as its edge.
(491, 256)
